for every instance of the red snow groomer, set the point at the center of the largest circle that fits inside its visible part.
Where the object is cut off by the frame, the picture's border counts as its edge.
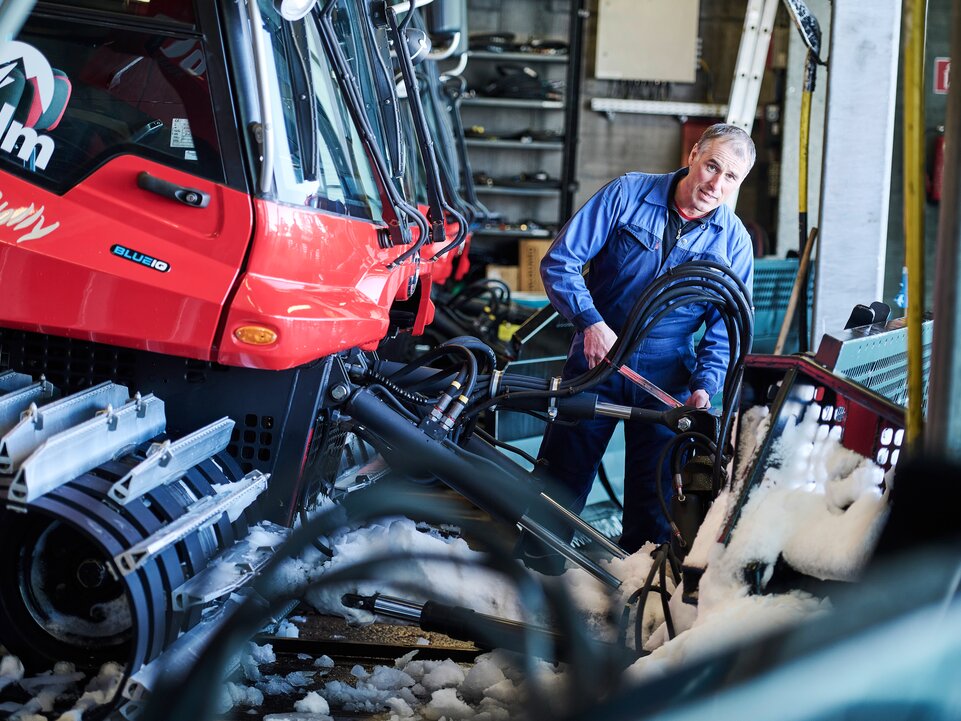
(201, 216)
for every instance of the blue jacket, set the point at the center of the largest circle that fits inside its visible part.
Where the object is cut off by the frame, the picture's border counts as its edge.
(620, 231)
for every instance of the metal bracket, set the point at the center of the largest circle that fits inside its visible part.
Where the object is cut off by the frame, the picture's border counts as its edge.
(13, 404)
(176, 661)
(496, 377)
(37, 425)
(79, 449)
(13, 381)
(169, 461)
(552, 406)
(228, 572)
(205, 512)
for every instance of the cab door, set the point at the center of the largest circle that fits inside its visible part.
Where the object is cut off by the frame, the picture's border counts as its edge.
(125, 216)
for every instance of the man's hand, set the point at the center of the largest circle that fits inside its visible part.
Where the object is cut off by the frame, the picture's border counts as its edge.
(598, 340)
(699, 399)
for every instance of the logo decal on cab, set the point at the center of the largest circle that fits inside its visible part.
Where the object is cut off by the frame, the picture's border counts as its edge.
(139, 258)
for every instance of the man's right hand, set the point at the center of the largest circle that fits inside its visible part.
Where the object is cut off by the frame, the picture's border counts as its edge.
(598, 340)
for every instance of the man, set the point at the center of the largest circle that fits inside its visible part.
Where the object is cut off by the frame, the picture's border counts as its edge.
(632, 231)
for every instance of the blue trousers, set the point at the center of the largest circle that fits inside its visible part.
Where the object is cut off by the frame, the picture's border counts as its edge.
(570, 454)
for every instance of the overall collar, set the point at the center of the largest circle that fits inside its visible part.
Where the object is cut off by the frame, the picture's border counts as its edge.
(659, 195)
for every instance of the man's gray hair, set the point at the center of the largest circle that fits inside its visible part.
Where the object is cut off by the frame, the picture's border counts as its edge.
(724, 132)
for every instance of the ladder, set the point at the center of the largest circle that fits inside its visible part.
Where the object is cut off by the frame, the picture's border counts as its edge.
(751, 58)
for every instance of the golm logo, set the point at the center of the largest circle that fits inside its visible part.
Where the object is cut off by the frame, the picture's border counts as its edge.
(30, 89)
(139, 258)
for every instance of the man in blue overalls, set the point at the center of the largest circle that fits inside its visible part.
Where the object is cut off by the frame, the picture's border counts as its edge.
(632, 231)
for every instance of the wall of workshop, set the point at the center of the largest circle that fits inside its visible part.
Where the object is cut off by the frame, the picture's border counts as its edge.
(652, 143)
(937, 45)
(611, 146)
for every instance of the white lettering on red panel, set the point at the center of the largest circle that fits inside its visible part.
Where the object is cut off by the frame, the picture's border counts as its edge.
(29, 219)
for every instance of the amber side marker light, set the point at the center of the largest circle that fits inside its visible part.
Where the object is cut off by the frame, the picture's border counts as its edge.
(255, 335)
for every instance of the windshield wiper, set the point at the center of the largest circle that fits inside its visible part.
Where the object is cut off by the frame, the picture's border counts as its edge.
(355, 105)
(455, 93)
(442, 127)
(439, 207)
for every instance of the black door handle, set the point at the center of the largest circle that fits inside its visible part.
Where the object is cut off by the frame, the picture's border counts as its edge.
(188, 196)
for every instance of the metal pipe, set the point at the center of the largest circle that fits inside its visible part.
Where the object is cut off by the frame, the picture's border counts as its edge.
(496, 485)
(914, 11)
(555, 542)
(543, 504)
(597, 537)
(451, 48)
(405, 6)
(943, 433)
(457, 69)
(612, 410)
(397, 608)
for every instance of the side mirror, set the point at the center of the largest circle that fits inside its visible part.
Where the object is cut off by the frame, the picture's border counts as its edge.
(295, 9)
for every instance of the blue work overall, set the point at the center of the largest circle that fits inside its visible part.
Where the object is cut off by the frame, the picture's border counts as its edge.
(619, 231)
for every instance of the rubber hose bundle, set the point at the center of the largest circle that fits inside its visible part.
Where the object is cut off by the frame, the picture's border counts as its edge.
(690, 283)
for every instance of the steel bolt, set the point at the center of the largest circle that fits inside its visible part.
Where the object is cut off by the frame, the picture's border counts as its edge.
(339, 392)
(192, 198)
(91, 573)
(683, 423)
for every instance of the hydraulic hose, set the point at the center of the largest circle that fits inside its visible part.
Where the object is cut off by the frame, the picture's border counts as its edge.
(489, 481)
(355, 103)
(439, 352)
(692, 279)
(675, 443)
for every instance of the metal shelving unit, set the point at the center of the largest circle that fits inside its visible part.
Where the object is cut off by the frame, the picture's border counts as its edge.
(659, 107)
(518, 57)
(549, 206)
(514, 103)
(519, 192)
(515, 144)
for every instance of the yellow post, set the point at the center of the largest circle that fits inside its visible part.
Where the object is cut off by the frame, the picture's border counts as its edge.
(914, 16)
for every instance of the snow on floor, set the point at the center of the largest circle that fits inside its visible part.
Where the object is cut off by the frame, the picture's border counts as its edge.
(819, 508)
(492, 689)
(51, 688)
(465, 583)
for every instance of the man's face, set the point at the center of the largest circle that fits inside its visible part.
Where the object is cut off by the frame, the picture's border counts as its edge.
(716, 171)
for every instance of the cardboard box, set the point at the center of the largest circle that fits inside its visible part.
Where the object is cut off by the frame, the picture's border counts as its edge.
(510, 274)
(530, 254)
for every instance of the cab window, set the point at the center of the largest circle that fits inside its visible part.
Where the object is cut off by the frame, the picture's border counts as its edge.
(177, 11)
(74, 94)
(321, 160)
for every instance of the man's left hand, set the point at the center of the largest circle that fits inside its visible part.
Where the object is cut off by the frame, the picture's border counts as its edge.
(699, 399)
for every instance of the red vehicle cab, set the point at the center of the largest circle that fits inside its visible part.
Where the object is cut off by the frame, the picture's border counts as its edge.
(129, 154)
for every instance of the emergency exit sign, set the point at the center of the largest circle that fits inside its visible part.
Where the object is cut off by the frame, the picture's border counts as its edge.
(942, 75)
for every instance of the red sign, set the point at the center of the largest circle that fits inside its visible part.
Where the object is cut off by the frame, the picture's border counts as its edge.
(942, 75)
